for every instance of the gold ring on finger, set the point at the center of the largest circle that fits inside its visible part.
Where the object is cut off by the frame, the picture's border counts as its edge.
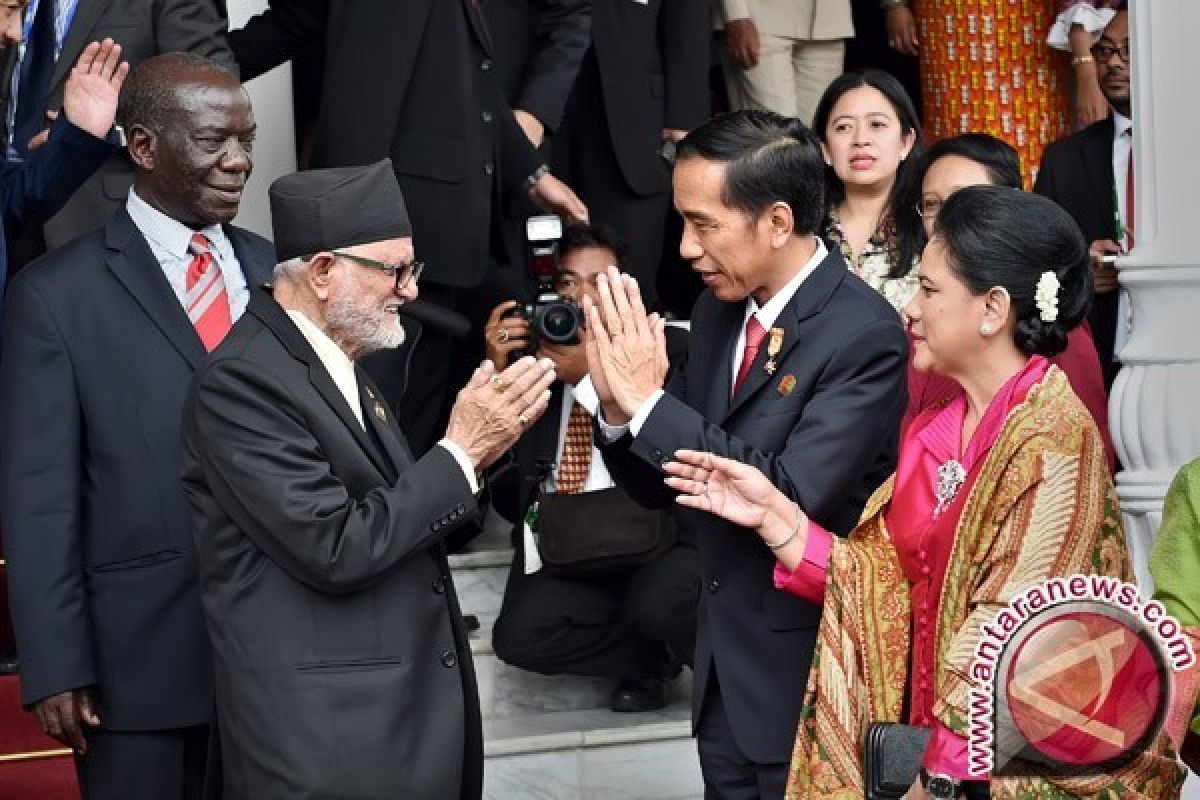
(523, 418)
(502, 336)
(499, 384)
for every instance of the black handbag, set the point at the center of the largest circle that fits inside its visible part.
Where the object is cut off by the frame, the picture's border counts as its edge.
(892, 758)
(599, 534)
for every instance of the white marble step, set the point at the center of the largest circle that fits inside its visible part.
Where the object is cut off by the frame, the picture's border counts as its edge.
(592, 755)
(479, 579)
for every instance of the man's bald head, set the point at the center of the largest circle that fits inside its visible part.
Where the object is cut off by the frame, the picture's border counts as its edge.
(151, 94)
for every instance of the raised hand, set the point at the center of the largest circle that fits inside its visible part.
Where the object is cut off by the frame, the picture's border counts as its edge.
(629, 346)
(494, 409)
(90, 96)
(729, 489)
(503, 336)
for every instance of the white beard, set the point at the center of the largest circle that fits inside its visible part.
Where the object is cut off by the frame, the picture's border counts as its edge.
(352, 320)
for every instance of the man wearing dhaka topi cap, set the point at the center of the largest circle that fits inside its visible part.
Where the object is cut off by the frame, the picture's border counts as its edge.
(342, 666)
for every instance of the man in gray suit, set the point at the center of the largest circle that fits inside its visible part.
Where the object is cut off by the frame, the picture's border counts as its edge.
(342, 667)
(31, 94)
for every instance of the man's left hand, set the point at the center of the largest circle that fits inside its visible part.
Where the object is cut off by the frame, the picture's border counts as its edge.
(632, 346)
(90, 96)
(551, 194)
(570, 361)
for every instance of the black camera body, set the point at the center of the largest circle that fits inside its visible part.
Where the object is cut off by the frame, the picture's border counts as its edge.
(552, 317)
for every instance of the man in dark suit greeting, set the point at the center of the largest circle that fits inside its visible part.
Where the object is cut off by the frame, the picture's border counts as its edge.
(102, 339)
(342, 664)
(796, 366)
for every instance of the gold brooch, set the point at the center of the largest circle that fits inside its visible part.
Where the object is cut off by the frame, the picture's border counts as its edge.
(773, 348)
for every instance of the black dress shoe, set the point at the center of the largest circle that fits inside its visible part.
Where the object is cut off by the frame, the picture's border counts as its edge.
(642, 694)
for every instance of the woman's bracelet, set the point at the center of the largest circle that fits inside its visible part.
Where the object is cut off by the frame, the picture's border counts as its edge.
(795, 532)
(888, 5)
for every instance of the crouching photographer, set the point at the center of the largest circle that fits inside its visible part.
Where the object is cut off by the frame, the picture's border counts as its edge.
(599, 586)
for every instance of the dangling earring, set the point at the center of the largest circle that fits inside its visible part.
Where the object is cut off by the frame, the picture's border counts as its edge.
(985, 330)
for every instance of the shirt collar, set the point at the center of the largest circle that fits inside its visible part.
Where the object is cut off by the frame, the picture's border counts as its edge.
(1121, 124)
(169, 234)
(333, 358)
(770, 311)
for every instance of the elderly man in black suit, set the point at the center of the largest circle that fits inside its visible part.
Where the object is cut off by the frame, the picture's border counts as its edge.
(103, 336)
(1090, 174)
(795, 366)
(342, 664)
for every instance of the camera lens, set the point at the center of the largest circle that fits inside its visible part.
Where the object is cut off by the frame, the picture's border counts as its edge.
(560, 322)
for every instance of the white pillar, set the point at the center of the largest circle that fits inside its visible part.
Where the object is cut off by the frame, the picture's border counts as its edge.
(1154, 409)
(274, 149)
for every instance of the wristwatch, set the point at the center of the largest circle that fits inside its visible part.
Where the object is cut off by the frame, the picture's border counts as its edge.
(940, 787)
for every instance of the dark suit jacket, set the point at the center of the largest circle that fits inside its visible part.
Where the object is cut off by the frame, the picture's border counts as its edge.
(1077, 174)
(652, 60)
(827, 443)
(102, 569)
(440, 115)
(342, 665)
(539, 46)
(143, 28)
(38, 186)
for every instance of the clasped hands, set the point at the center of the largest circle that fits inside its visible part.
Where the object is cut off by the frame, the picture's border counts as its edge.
(626, 347)
(495, 408)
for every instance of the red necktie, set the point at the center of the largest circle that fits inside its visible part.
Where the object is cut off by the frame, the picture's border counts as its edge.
(207, 302)
(577, 452)
(1129, 203)
(755, 333)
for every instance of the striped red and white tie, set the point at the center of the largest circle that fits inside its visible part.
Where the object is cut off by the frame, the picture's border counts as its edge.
(206, 301)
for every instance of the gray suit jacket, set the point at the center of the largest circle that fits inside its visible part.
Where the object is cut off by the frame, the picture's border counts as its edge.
(143, 28)
(342, 667)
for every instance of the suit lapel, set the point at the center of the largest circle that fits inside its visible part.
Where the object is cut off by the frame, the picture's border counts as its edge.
(256, 268)
(726, 327)
(271, 314)
(134, 265)
(809, 299)
(375, 414)
(1098, 160)
(87, 14)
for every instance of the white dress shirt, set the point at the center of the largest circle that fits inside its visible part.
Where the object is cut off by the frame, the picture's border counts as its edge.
(1122, 152)
(341, 370)
(169, 239)
(766, 315)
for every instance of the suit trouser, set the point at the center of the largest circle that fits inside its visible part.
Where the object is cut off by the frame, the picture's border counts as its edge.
(729, 774)
(613, 628)
(790, 78)
(154, 765)
(584, 157)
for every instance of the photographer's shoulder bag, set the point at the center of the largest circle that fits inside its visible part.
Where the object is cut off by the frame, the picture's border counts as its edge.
(599, 534)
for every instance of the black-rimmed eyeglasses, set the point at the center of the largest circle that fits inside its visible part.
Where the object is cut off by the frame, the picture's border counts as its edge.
(403, 273)
(1103, 52)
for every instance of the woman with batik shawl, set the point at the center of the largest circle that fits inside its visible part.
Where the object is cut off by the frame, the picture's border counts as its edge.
(1001, 487)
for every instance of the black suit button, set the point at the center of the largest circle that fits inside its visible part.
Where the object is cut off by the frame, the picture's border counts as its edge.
(439, 586)
(489, 168)
(486, 116)
(486, 64)
(449, 659)
(713, 586)
(462, 508)
(658, 456)
(436, 525)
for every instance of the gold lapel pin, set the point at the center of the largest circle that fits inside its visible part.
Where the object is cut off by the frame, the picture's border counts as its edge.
(379, 410)
(773, 348)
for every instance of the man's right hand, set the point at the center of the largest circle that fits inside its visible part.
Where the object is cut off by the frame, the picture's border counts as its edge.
(1105, 275)
(503, 336)
(494, 409)
(742, 43)
(62, 716)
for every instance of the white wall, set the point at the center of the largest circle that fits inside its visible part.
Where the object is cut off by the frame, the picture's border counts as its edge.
(274, 150)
